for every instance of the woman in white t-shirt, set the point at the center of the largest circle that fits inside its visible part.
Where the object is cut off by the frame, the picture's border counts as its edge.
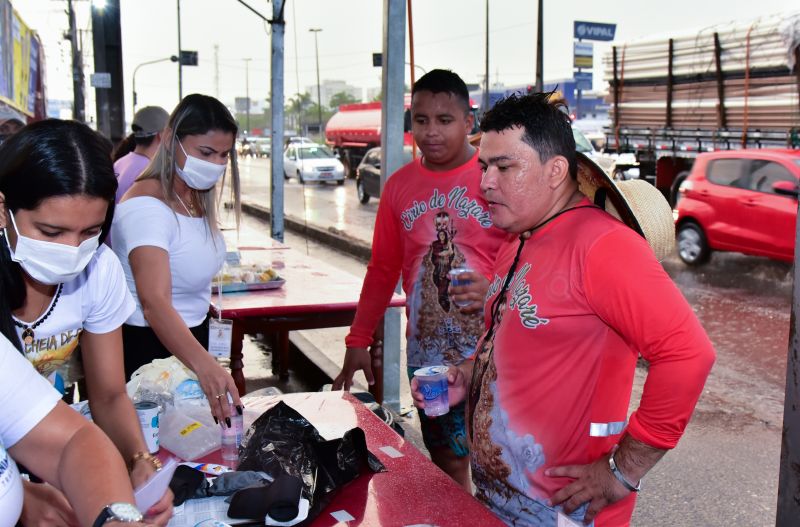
(51, 439)
(166, 235)
(59, 286)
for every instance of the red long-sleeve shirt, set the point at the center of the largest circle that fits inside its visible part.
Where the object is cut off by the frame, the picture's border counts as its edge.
(428, 223)
(587, 298)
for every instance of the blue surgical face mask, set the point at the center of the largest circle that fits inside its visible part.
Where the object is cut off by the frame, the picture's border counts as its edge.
(198, 173)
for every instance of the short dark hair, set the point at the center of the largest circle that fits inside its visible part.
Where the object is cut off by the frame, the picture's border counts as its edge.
(443, 81)
(545, 121)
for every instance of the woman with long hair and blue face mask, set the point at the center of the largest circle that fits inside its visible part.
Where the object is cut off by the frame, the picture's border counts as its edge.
(60, 287)
(167, 237)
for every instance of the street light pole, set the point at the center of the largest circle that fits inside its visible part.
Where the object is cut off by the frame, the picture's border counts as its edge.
(173, 58)
(180, 62)
(247, 90)
(319, 97)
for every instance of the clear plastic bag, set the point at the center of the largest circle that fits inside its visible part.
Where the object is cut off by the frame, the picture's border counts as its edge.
(189, 431)
(163, 381)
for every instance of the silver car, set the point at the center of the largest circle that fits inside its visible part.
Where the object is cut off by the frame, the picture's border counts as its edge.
(312, 162)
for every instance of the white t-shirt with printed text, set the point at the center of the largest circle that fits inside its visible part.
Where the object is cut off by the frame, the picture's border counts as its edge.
(97, 300)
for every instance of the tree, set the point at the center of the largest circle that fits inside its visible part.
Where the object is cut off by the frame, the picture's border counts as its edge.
(341, 98)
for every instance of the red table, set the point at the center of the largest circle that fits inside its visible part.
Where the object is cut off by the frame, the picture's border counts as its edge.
(413, 490)
(316, 295)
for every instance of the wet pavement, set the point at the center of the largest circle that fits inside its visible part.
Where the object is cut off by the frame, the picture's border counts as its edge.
(725, 470)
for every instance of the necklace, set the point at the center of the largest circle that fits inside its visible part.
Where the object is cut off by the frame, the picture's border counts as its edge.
(189, 210)
(27, 329)
(487, 341)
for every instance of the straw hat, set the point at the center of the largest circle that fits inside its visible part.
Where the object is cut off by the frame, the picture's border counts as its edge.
(638, 204)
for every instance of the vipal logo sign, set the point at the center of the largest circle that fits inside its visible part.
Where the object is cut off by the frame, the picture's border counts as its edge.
(594, 30)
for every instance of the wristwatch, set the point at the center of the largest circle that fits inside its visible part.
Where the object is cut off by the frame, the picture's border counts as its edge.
(118, 512)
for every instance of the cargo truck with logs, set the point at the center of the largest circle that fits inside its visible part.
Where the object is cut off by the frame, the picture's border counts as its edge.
(733, 86)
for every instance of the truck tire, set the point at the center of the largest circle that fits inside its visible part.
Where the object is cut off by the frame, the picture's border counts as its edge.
(349, 169)
(363, 197)
(693, 248)
(674, 195)
(300, 178)
(339, 182)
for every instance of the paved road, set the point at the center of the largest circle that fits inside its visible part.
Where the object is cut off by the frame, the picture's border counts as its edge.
(322, 204)
(725, 470)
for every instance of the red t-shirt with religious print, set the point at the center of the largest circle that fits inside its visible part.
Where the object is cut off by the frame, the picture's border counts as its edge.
(428, 222)
(588, 296)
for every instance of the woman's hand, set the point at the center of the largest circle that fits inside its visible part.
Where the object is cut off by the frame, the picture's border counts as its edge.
(160, 513)
(45, 506)
(217, 384)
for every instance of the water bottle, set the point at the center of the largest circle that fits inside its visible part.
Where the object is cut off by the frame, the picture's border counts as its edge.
(230, 450)
(231, 437)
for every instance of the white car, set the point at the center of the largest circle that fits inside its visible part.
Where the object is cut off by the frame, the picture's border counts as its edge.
(312, 162)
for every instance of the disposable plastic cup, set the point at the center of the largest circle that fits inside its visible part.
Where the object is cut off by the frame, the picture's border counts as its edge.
(433, 387)
(455, 281)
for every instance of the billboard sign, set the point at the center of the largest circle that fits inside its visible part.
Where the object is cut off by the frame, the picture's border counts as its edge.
(584, 55)
(20, 61)
(594, 30)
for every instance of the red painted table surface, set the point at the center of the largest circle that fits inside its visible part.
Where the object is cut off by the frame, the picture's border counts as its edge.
(312, 286)
(413, 491)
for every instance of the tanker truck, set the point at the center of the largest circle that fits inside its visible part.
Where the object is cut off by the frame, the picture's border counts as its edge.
(356, 128)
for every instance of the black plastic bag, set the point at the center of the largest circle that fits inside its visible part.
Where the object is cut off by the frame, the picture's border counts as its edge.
(282, 441)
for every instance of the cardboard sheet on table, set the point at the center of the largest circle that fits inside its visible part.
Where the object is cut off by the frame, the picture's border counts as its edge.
(237, 287)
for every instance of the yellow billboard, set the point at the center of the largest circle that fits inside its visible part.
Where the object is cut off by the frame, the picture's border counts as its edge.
(20, 61)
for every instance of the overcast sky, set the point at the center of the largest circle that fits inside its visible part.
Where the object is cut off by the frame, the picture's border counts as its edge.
(447, 33)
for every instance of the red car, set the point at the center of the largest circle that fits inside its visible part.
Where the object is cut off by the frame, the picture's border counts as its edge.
(741, 201)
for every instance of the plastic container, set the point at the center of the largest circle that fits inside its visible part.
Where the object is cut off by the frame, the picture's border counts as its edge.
(433, 387)
(231, 437)
(455, 281)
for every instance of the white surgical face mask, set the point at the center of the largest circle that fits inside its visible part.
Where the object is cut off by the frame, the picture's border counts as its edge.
(49, 262)
(198, 173)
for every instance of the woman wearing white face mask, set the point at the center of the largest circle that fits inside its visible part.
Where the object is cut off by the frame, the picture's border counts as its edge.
(166, 236)
(58, 286)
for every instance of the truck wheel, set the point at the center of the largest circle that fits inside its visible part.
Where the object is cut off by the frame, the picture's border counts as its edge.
(340, 182)
(348, 167)
(300, 178)
(674, 195)
(692, 243)
(363, 197)
(285, 176)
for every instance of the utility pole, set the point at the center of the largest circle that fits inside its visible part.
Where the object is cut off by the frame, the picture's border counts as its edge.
(319, 97)
(247, 90)
(180, 56)
(486, 66)
(79, 102)
(539, 49)
(107, 44)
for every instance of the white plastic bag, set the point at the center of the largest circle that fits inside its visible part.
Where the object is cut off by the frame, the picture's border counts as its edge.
(159, 381)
